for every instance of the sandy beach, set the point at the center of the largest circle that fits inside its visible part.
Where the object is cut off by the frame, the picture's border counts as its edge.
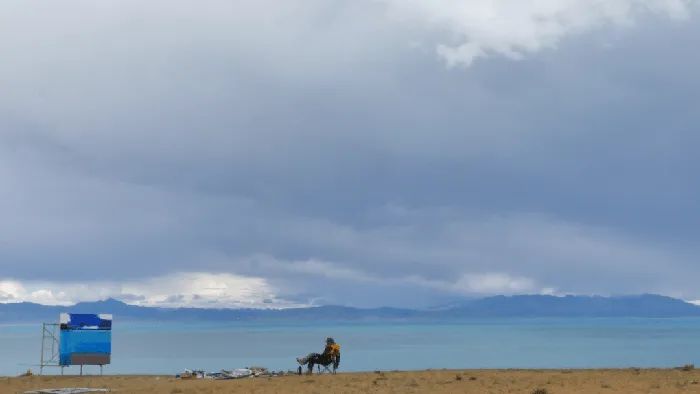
(431, 381)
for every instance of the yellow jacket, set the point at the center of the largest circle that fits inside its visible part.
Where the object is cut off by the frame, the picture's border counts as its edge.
(332, 349)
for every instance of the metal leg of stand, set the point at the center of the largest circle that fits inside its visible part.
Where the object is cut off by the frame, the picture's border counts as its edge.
(81, 369)
(41, 364)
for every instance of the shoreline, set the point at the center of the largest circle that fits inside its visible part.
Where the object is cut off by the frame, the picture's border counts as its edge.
(627, 380)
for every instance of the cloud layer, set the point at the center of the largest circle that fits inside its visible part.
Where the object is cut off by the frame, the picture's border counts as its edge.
(313, 152)
(193, 289)
(514, 28)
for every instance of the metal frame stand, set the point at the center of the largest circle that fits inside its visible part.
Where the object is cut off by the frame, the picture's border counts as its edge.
(50, 352)
(49, 347)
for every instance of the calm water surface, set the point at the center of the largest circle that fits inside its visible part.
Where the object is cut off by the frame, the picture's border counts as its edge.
(167, 348)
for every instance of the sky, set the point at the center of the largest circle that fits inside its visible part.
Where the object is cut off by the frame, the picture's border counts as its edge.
(366, 153)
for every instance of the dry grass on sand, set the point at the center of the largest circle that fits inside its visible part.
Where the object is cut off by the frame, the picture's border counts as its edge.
(435, 381)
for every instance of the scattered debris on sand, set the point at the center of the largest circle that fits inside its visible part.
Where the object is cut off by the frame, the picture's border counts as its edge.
(28, 373)
(239, 373)
(70, 390)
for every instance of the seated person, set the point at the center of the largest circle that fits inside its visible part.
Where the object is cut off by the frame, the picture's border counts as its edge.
(332, 350)
(329, 357)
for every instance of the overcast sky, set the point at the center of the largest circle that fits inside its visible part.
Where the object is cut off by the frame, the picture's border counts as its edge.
(356, 152)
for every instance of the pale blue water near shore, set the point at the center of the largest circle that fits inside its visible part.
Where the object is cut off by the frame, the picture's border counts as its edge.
(167, 348)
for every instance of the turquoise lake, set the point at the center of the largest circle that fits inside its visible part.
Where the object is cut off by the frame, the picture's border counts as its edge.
(168, 348)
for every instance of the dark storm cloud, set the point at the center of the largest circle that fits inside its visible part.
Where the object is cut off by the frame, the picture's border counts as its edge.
(327, 144)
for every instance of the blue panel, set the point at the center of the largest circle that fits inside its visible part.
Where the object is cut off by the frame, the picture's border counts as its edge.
(84, 341)
(86, 321)
(85, 338)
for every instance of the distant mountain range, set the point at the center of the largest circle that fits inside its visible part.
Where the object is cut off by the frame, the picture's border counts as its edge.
(524, 306)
